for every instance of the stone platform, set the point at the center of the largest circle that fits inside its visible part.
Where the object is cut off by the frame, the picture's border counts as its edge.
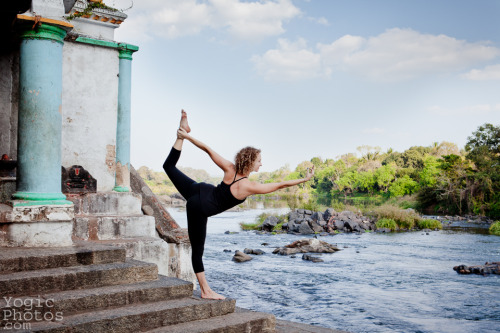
(96, 288)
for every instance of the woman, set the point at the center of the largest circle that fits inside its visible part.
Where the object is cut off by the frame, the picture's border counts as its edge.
(204, 200)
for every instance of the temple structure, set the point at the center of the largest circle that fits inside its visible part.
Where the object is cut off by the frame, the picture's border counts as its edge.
(65, 118)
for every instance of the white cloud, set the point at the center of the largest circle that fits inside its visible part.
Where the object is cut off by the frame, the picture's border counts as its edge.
(396, 54)
(488, 73)
(478, 109)
(291, 61)
(374, 130)
(247, 20)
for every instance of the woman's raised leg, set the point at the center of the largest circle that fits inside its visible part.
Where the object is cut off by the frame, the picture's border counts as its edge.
(182, 183)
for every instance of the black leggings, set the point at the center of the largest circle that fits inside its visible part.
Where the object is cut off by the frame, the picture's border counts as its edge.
(197, 221)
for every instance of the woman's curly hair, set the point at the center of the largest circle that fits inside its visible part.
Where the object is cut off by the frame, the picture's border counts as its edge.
(245, 159)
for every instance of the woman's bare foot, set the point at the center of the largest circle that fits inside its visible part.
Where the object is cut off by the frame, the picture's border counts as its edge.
(184, 122)
(211, 295)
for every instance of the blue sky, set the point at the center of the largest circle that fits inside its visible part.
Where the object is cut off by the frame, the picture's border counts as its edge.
(306, 78)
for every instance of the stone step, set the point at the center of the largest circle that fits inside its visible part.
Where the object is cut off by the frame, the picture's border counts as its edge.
(16, 259)
(140, 317)
(107, 203)
(76, 277)
(80, 300)
(113, 227)
(250, 321)
(172, 259)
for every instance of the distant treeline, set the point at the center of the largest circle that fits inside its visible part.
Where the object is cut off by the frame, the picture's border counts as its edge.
(440, 178)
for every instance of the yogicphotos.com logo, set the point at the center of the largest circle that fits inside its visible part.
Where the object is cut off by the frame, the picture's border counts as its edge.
(19, 313)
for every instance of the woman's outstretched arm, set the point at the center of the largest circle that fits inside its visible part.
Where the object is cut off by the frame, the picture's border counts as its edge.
(221, 162)
(257, 188)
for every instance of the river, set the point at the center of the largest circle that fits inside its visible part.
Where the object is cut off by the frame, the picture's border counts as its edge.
(397, 282)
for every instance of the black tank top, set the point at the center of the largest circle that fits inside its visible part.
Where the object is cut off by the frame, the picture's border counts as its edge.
(215, 200)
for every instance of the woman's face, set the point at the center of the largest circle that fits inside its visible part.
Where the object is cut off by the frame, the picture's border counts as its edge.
(257, 164)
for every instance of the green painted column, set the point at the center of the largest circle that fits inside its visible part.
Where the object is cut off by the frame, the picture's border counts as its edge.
(122, 179)
(40, 119)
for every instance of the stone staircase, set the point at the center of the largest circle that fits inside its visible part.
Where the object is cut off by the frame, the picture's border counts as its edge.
(94, 287)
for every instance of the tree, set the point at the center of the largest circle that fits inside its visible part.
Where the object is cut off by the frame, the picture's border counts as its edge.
(430, 172)
(483, 147)
(402, 186)
(447, 148)
(366, 181)
(455, 185)
(369, 153)
(384, 176)
(347, 183)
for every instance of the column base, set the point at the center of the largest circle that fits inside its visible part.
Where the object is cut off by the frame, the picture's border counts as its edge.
(40, 225)
(121, 189)
(39, 198)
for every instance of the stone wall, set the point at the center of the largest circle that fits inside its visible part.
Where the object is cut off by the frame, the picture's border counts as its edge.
(90, 103)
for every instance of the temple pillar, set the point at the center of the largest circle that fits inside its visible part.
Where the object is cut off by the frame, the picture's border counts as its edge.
(40, 119)
(122, 181)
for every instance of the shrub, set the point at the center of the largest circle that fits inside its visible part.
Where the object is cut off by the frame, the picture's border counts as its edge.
(387, 223)
(495, 228)
(405, 218)
(250, 226)
(429, 224)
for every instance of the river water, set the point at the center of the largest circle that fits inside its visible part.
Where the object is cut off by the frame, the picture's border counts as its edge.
(397, 282)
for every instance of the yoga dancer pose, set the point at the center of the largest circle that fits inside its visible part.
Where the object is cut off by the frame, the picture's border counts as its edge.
(204, 200)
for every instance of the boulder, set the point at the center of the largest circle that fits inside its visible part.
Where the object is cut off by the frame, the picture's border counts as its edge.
(308, 212)
(487, 268)
(316, 216)
(252, 251)
(307, 245)
(293, 215)
(241, 257)
(364, 226)
(311, 258)
(339, 225)
(270, 223)
(351, 225)
(293, 227)
(329, 212)
(301, 211)
(305, 229)
(316, 227)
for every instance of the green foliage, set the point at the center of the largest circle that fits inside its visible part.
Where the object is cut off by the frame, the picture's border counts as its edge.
(403, 186)
(405, 218)
(385, 175)
(250, 226)
(387, 223)
(430, 172)
(429, 224)
(495, 228)
(366, 181)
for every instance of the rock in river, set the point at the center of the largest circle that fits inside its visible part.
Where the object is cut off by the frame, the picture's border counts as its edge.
(307, 245)
(241, 257)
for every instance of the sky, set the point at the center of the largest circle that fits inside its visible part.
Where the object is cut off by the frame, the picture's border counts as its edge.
(308, 78)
